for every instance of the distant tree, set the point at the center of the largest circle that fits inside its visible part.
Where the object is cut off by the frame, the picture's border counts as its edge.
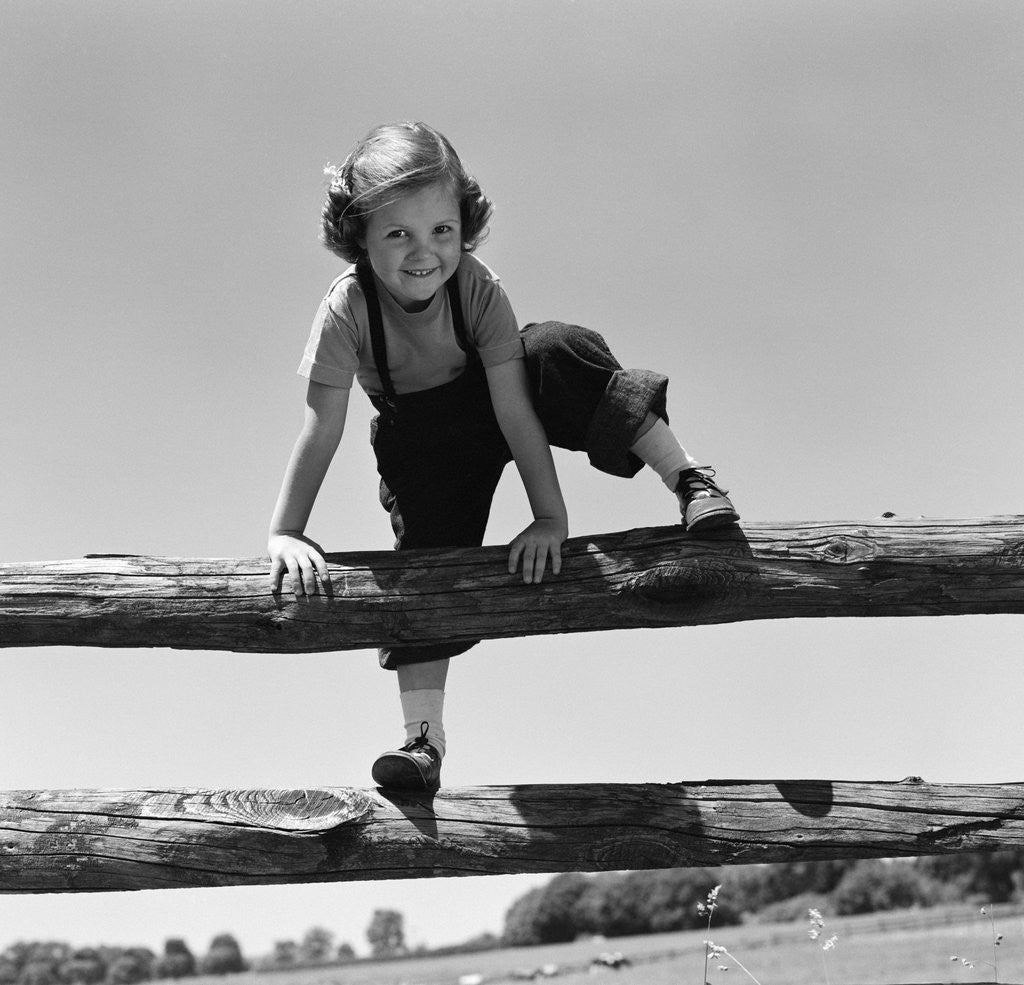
(85, 966)
(555, 916)
(874, 884)
(984, 877)
(39, 971)
(224, 956)
(670, 898)
(753, 887)
(16, 954)
(317, 945)
(177, 960)
(520, 929)
(346, 952)
(9, 971)
(285, 953)
(56, 951)
(132, 965)
(628, 905)
(386, 933)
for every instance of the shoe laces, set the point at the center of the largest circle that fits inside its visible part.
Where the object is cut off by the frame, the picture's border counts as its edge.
(420, 743)
(699, 479)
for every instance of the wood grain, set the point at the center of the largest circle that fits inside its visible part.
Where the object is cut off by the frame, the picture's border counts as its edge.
(649, 577)
(86, 840)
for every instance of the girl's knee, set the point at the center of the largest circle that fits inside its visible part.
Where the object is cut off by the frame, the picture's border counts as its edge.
(558, 338)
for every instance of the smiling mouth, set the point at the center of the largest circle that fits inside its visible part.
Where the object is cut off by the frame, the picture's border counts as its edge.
(420, 273)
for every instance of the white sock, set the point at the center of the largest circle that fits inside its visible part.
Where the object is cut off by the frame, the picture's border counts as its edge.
(424, 705)
(659, 448)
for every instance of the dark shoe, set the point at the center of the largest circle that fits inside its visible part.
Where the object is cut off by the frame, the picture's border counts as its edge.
(414, 767)
(702, 504)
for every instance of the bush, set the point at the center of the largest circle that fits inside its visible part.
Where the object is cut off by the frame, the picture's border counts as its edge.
(85, 967)
(983, 877)
(224, 956)
(874, 885)
(41, 972)
(520, 923)
(794, 908)
(177, 961)
(753, 887)
(132, 965)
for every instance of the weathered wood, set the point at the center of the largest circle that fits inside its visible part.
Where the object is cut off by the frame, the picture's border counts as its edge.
(638, 578)
(80, 840)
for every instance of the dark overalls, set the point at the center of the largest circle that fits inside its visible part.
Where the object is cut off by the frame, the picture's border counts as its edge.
(440, 452)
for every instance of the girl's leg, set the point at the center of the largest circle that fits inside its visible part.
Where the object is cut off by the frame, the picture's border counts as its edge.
(588, 402)
(702, 504)
(417, 765)
(421, 689)
(657, 446)
(437, 483)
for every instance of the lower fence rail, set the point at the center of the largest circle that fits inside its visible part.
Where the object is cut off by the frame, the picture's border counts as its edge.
(89, 840)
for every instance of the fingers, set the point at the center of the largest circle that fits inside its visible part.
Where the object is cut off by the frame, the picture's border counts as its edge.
(514, 552)
(535, 555)
(305, 582)
(302, 571)
(527, 550)
(556, 558)
(322, 571)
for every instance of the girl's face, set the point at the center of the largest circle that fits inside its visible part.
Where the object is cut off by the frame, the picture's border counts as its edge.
(415, 244)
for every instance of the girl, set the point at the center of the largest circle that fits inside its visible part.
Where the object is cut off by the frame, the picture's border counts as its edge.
(429, 334)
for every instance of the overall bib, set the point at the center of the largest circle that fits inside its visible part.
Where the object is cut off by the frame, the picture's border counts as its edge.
(440, 452)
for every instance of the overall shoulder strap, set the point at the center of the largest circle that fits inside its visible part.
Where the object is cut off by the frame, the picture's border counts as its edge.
(377, 342)
(458, 318)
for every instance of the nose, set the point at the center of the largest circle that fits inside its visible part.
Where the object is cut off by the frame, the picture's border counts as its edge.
(417, 248)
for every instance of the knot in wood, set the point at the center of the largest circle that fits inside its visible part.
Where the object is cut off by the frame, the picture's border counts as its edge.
(683, 585)
(642, 850)
(843, 549)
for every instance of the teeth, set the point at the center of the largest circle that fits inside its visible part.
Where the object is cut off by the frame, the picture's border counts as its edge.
(418, 273)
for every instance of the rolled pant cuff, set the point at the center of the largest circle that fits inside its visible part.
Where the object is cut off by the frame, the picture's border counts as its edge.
(630, 396)
(393, 657)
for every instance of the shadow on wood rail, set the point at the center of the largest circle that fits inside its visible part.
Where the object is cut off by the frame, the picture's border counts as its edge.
(652, 577)
(87, 840)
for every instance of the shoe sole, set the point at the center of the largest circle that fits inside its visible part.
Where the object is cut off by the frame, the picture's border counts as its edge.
(395, 773)
(713, 521)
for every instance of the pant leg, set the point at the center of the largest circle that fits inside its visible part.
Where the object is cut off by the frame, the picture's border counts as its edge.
(438, 473)
(585, 399)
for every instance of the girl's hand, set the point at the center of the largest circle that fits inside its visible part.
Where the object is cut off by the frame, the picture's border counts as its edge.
(302, 558)
(540, 540)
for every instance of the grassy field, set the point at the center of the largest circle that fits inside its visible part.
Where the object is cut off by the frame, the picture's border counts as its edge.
(875, 949)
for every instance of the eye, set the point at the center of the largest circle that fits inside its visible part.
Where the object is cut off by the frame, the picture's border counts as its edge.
(443, 228)
(396, 234)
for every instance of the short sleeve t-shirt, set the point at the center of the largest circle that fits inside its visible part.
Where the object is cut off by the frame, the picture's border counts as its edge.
(421, 346)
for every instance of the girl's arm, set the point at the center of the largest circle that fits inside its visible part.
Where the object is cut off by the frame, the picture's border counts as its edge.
(510, 395)
(289, 549)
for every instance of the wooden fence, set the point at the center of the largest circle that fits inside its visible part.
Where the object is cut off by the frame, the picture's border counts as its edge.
(86, 840)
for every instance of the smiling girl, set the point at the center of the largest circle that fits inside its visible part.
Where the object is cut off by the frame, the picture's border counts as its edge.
(460, 391)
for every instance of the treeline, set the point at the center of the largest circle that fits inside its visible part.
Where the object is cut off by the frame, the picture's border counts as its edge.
(569, 906)
(57, 963)
(616, 904)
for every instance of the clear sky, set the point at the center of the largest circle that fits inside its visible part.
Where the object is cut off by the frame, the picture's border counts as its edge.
(810, 216)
